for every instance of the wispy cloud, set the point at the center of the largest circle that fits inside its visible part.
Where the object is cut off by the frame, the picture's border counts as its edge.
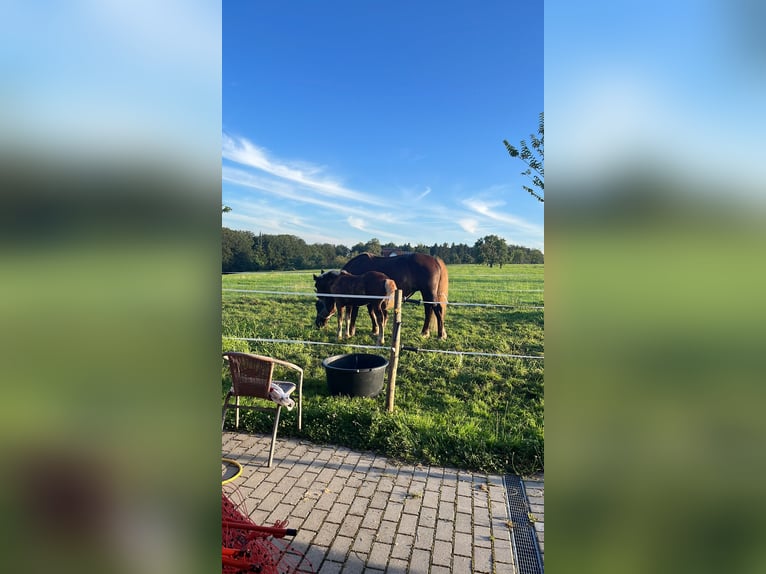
(308, 176)
(286, 190)
(422, 195)
(469, 225)
(489, 209)
(356, 223)
(361, 225)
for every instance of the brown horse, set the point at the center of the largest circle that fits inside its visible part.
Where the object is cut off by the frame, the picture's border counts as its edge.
(344, 283)
(412, 272)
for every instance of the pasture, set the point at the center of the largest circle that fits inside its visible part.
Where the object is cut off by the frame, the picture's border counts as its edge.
(465, 411)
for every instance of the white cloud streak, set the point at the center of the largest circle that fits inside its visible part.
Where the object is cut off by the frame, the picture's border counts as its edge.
(422, 195)
(287, 191)
(308, 176)
(489, 210)
(469, 225)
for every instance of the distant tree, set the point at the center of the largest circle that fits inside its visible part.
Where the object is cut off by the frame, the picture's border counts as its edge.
(236, 250)
(517, 256)
(373, 246)
(534, 158)
(492, 250)
(357, 249)
(225, 209)
(244, 251)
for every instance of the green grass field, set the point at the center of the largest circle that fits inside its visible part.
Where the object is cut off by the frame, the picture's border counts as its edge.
(469, 412)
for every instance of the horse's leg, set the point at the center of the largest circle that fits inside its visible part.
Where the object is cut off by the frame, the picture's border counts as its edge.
(439, 313)
(352, 326)
(341, 311)
(350, 321)
(428, 309)
(383, 314)
(373, 319)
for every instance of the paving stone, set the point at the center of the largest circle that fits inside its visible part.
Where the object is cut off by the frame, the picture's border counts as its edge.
(446, 511)
(315, 520)
(442, 554)
(363, 540)
(270, 502)
(464, 504)
(427, 518)
(448, 494)
(398, 566)
(379, 554)
(329, 567)
(372, 518)
(393, 511)
(420, 561)
(379, 500)
(359, 506)
(403, 544)
(340, 546)
(431, 499)
(338, 512)
(354, 564)
(463, 522)
(464, 565)
(503, 550)
(326, 534)
(408, 524)
(482, 560)
(350, 526)
(367, 490)
(424, 538)
(445, 529)
(482, 536)
(315, 554)
(386, 532)
(327, 501)
(412, 504)
(463, 544)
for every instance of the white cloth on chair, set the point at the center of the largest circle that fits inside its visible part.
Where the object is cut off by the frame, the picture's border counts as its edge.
(280, 397)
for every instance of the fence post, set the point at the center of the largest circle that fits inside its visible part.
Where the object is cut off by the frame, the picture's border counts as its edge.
(393, 363)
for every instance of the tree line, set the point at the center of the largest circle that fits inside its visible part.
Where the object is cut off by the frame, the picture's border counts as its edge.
(245, 251)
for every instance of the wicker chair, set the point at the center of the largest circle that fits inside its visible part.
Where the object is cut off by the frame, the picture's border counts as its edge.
(252, 376)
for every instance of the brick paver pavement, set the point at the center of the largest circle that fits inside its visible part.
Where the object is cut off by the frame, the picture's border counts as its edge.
(359, 512)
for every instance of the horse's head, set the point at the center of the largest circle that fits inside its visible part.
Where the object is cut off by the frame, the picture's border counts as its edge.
(325, 306)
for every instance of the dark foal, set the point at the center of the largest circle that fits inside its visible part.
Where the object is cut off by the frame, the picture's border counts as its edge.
(339, 283)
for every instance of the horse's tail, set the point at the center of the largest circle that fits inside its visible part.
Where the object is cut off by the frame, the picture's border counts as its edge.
(390, 290)
(442, 291)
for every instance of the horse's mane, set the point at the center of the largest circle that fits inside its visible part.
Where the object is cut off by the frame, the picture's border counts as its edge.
(335, 272)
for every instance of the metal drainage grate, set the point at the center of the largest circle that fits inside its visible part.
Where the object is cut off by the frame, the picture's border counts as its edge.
(525, 549)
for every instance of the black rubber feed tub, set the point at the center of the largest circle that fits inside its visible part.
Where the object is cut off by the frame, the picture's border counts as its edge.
(356, 374)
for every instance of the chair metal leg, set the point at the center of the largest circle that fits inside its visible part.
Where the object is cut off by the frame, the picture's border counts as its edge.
(274, 435)
(236, 415)
(300, 403)
(223, 411)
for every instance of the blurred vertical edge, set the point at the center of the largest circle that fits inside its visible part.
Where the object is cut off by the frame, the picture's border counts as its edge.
(654, 288)
(109, 287)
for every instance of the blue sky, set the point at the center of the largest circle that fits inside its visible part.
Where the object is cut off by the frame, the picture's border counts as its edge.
(344, 121)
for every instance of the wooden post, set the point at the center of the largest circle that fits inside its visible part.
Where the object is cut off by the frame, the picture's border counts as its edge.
(393, 362)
